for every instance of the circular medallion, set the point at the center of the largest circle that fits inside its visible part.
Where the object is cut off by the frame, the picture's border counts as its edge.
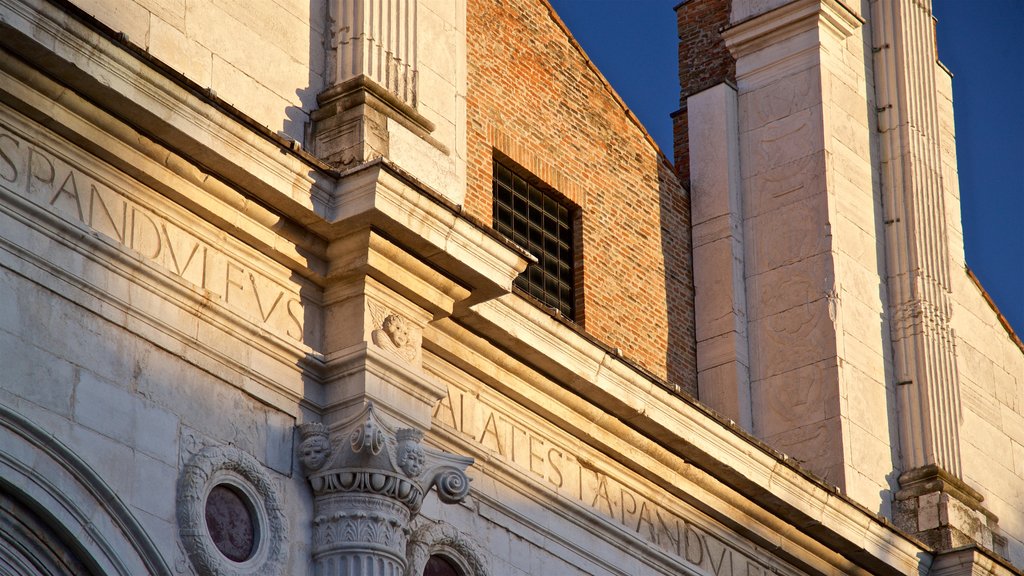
(230, 516)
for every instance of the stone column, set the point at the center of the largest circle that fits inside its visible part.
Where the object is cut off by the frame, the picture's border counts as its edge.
(368, 484)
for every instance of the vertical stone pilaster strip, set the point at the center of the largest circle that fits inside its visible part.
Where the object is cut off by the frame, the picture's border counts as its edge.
(375, 39)
(917, 255)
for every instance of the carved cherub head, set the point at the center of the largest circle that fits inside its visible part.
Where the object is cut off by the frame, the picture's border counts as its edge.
(315, 448)
(410, 455)
(396, 329)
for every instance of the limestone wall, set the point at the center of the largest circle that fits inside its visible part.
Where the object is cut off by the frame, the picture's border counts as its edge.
(533, 97)
(990, 363)
(991, 369)
(264, 58)
(123, 331)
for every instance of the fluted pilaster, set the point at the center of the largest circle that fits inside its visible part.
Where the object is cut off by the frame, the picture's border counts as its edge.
(933, 501)
(917, 259)
(376, 39)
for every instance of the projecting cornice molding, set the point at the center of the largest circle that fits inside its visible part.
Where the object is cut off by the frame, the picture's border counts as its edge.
(764, 30)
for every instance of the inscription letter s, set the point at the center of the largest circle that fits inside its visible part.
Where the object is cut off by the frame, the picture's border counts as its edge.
(294, 315)
(7, 160)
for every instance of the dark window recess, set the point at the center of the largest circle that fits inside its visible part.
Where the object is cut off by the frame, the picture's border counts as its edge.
(542, 225)
(439, 566)
(229, 520)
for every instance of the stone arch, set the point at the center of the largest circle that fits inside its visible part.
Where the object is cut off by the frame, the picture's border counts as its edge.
(70, 502)
(445, 540)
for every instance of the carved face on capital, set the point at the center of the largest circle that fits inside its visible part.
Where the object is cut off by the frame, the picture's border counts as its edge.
(411, 458)
(396, 329)
(313, 452)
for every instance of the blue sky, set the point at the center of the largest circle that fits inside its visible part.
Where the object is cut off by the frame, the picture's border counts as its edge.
(633, 42)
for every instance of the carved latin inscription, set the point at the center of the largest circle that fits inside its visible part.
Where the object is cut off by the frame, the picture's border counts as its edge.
(574, 476)
(46, 179)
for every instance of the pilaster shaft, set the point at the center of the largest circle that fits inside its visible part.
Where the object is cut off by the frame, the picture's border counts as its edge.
(916, 254)
(376, 39)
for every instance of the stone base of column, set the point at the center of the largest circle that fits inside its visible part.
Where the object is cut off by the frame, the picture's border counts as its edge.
(943, 511)
(351, 125)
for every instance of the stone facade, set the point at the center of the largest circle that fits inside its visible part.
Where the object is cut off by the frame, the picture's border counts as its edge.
(257, 320)
(827, 242)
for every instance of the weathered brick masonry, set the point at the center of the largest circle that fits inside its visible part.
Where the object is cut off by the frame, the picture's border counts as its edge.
(704, 61)
(534, 98)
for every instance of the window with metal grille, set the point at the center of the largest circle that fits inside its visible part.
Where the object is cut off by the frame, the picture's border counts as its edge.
(536, 221)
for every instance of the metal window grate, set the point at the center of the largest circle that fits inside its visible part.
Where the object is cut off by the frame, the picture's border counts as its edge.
(543, 226)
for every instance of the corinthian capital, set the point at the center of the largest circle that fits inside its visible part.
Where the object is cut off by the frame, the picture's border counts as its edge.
(368, 485)
(367, 456)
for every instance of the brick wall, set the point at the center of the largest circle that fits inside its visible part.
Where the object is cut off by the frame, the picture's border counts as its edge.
(704, 61)
(532, 96)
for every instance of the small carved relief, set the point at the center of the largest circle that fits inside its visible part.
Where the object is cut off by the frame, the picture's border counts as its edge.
(782, 142)
(395, 334)
(786, 236)
(794, 399)
(410, 455)
(315, 448)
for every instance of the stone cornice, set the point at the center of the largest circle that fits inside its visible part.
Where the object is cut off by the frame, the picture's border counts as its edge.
(379, 195)
(603, 384)
(763, 30)
(156, 122)
(141, 92)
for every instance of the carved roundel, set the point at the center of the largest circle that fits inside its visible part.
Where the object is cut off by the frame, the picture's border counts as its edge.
(230, 516)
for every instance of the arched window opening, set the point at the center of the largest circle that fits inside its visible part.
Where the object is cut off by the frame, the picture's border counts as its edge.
(440, 566)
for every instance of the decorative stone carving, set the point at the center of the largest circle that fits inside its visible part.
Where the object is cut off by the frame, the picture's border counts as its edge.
(369, 488)
(444, 539)
(226, 466)
(395, 334)
(315, 447)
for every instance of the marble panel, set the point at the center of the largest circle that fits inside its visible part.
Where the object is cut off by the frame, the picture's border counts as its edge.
(867, 402)
(779, 99)
(794, 399)
(783, 141)
(126, 16)
(299, 35)
(816, 447)
(791, 339)
(719, 289)
(785, 287)
(803, 180)
(726, 389)
(785, 236)
(36, 375)
(714, 148)
(869, 455)
(169, 44)
(721, 349)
